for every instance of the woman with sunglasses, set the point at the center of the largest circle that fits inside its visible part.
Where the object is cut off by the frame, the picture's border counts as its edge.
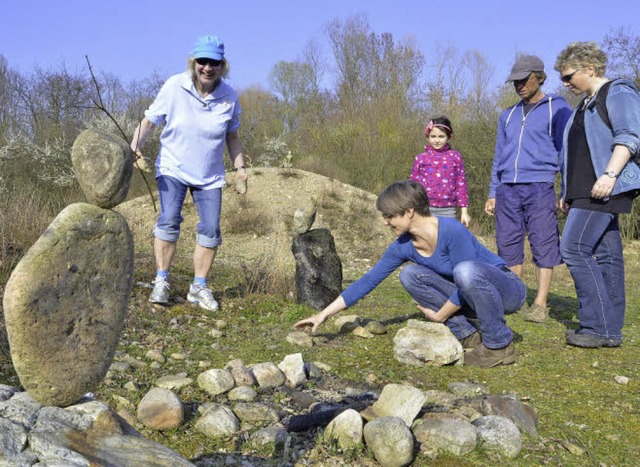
(200, 113)
(599, 182)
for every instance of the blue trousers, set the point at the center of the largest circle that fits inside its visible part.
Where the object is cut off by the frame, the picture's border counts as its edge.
(592, 250)
(487, 291)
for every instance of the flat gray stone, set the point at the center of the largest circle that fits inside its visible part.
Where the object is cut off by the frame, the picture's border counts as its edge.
(397, 400)
(66, 301)
(457, 437)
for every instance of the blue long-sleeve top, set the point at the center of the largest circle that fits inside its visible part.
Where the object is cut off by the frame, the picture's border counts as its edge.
(623, 109)
(528, 144)
(455, 244)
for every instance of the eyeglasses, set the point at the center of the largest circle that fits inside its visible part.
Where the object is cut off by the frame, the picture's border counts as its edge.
(208, 61)
(568, 78)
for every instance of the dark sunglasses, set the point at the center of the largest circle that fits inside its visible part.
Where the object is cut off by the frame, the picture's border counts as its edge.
(208, 61)
(568, 78)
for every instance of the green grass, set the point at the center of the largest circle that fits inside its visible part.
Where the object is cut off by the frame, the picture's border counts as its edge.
(573, 390)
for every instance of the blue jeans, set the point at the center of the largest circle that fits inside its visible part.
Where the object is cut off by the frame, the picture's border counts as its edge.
(592, 250)
(208, 204)
(487, 291)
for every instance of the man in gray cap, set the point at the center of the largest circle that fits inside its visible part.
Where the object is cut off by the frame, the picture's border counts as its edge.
(521, 195)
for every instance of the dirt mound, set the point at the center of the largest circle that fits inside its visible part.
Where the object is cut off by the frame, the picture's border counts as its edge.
(260, 222)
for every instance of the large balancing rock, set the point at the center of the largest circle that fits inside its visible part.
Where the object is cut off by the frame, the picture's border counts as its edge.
(318, 268)
(66, 301)
(103, 165)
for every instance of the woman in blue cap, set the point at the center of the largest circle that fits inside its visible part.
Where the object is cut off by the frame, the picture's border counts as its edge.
(200, 112)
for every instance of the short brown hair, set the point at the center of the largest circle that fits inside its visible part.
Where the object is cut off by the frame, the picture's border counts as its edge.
(581, 55)
(401, 196)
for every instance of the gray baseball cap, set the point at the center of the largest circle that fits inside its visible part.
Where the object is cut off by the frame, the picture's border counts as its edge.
(524, 66)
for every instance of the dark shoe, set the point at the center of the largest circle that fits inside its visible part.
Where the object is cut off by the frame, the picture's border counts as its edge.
(486, 358)
(471, 341)
(536, 313)
(582, 339)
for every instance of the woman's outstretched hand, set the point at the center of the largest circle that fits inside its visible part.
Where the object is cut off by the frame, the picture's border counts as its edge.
(315, 321)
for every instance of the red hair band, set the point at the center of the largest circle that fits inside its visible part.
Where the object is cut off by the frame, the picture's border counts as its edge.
(431, 125)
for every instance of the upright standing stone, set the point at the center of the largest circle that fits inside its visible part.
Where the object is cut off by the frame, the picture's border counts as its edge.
(318, 268)
(66, 301)
(103, 165)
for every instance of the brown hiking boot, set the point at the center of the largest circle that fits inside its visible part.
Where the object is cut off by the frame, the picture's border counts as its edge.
(484, 357)
(536, 313)
(471, 341)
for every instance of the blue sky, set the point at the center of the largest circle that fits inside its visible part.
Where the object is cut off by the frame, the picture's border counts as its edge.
(132, 39)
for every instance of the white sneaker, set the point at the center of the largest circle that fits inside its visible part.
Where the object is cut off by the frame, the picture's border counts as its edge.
(160, 292)
(203, 296)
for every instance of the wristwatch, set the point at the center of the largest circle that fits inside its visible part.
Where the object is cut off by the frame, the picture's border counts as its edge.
(611, 174)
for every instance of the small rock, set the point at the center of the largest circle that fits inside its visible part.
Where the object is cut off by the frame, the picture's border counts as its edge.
(375, 327)
(293, 368)
(499, 434)
(362, 332)
(397, 400)
(621, 379)
(241, 374)
(131, 386)
(155, 355)
(215, 333)
(216, 381)
(466, 389)
(161, 409)
(173, 382)
(346, 429)
(119, 367)
(242, 393)
(347, 323)
(268, 375)
(573, 448)
(217, 421)
(390, 440)
(300, 338)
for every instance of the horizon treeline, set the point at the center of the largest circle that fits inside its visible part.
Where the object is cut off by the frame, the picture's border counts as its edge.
(365, 129)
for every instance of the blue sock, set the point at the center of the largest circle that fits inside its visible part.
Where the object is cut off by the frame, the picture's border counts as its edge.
(162, 274)
(200, 281)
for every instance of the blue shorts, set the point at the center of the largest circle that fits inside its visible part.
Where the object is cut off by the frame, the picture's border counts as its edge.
(208, 204)
(527, 208)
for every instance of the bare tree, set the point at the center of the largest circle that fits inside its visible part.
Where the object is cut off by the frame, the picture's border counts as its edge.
(623, 50)
(371, 67)
(8, 121)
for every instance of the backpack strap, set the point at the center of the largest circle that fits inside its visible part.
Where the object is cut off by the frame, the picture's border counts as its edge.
(601, 103)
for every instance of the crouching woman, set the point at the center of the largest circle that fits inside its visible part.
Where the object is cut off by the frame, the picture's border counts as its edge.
(453, 277)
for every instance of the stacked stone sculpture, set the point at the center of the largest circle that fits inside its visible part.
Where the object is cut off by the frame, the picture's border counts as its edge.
(66, 300)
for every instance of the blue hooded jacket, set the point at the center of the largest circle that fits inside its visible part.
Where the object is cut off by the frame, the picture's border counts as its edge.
(528, 145)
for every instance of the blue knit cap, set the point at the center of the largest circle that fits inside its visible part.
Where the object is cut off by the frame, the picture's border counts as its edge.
(209, 47)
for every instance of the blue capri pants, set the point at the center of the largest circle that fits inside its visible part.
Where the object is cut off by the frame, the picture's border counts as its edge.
(208, 203)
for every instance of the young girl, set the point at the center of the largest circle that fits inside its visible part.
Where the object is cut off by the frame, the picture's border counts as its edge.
(440, 170)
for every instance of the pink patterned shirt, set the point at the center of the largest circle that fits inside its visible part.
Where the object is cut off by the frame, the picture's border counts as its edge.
(441, 173)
